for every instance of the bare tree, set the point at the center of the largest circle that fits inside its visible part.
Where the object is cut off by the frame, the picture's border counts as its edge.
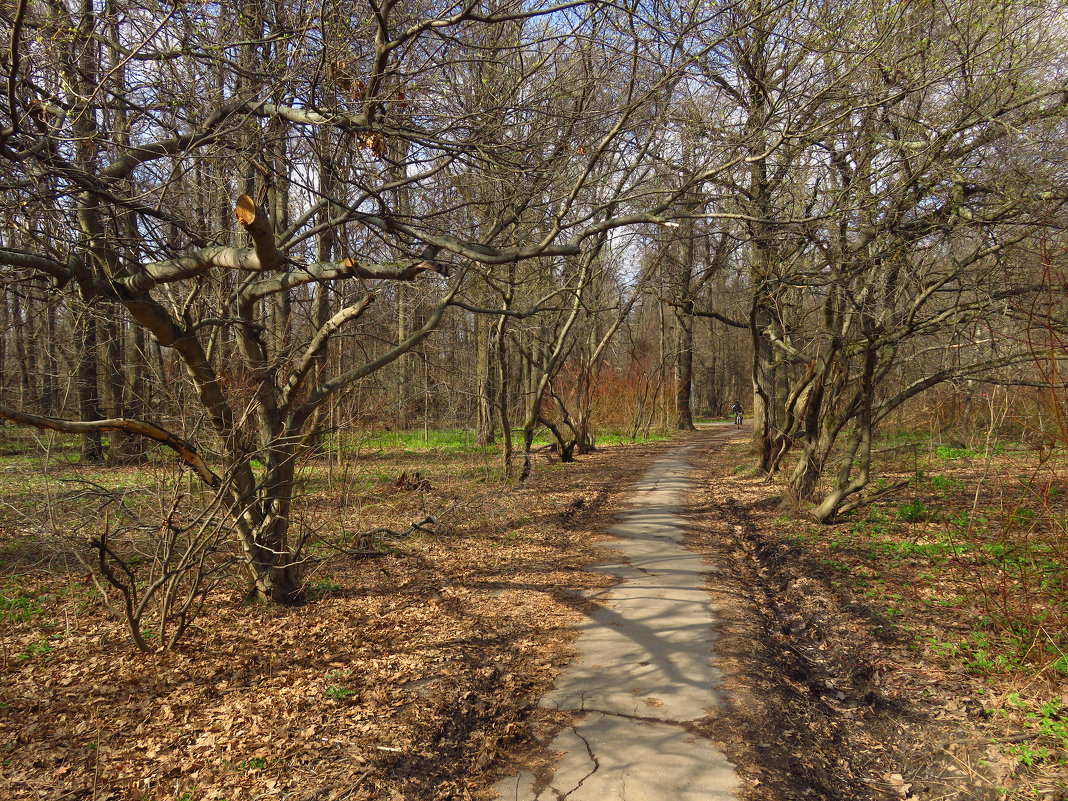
(902, 246)
(245, 204)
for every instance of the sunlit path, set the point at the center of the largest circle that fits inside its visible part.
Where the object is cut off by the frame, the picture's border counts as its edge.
(644, 672)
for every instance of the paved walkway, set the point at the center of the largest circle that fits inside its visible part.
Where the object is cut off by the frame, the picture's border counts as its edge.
(644, 668)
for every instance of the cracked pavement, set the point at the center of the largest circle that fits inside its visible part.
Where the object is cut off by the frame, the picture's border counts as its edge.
(644, 673)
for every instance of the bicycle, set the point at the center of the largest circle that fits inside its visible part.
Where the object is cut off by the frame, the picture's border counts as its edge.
(737, 410)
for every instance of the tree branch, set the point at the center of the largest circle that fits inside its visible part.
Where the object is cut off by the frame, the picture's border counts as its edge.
(142, 428)
(32, 261)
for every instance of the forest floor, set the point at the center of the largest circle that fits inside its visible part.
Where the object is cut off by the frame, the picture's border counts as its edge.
(871, 659)
(864, 660)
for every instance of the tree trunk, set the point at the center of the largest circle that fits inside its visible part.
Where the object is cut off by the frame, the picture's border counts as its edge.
(50, 370)
(88, 387)
(484, 390)
(766, 398)
(684, 372)
(273, 564)
(404, 363)
(24, 344)
(123, 448)
(503, 414)
(858, 453)
(134, 450)
(5, 327)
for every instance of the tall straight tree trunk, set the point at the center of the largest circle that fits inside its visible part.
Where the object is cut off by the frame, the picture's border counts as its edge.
(50, 367)
(484, 383)
(23, 346)
(122, 447)
(5, 328)
(684, 328)
(500, 337)
(503, 413)
(684, 371)
(88, 387)
(405, 380)
(662, 343)
(135, 401)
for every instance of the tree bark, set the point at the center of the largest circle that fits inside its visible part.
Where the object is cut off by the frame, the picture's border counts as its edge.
(484, 384)
(684, 371)
(89, 406)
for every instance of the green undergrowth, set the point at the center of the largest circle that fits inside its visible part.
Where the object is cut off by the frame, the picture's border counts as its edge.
(968, 565)
(970, 559)
(457, 440)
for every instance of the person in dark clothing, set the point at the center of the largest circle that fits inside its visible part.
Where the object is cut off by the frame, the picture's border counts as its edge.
(736, 410)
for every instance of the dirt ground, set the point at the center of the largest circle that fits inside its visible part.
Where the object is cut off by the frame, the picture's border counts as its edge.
(403, 677)
(829, 694)
(416, 675)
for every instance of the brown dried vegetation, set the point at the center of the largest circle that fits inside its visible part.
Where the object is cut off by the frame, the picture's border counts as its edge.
(909, 652)
(403, 677)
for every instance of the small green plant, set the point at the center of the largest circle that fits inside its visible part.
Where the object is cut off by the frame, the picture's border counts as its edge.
(1047, 718)
(946, 484)
(1029, 754)
(254, 763)
(325, 585)
(914, 512)
(19, 608)
(946, 649)
(1060, 665)
(1022, 516)
(980, 662)
(338, 693)
(34, 649)
(835, 564)
(963, 522)
(874, 523)
(981, 654)
(949, 454)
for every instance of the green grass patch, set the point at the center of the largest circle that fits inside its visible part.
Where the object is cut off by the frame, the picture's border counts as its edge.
(35, 650)
(951, 454)
(874, 523)
(460, 441)
(618, 438)
(946, 484)
(325, 586)
(455, 440)
(899, 438)
(937, 550)
(338, 693)
(914, 512)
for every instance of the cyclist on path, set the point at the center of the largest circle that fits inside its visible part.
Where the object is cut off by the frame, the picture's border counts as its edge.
(736, 410)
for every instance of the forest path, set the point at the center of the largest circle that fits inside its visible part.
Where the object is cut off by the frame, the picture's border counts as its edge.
(643, 680)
